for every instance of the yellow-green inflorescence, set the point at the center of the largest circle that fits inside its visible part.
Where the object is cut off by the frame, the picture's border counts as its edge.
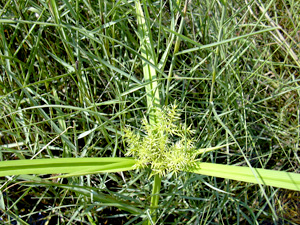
(167, 145)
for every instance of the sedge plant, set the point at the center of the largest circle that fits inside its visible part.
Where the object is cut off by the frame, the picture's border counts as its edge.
(163, 144)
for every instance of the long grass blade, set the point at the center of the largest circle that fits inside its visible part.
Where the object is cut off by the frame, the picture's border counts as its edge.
(273, 178)
(77, 166)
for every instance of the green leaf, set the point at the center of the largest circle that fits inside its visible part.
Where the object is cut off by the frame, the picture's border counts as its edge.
(111, 199)
(280, 179)
(76, 166)
(148, 52)
(204, 150)
(201, 47)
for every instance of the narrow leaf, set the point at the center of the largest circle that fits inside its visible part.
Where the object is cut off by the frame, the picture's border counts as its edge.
(65, 165)
(280, 179)
(204, 150)
(201, 47)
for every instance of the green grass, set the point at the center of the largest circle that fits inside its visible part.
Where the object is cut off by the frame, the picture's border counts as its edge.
(72, 76)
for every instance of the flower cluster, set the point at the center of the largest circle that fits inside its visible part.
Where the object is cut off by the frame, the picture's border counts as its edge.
(167, 145)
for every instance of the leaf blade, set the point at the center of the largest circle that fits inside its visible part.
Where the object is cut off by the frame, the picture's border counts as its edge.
(280, 179)
(65, 165)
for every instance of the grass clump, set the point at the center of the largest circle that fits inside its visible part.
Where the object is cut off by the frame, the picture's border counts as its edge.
(71, 79)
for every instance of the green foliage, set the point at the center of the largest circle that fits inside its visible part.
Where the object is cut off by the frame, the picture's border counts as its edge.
(73, 74)
(167, 145)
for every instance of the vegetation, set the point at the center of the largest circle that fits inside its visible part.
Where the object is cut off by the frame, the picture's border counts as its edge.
(85, 84)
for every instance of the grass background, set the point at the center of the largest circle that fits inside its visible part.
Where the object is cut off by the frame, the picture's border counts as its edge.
(71, 78)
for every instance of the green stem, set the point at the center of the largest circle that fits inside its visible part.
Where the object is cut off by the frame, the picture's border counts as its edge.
(155, 198)
(153, 97)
